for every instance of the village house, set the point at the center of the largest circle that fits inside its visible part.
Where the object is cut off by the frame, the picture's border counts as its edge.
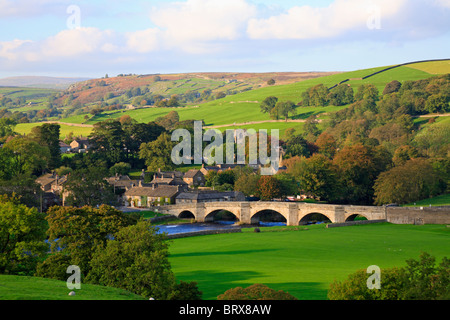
(194, 178)
(121, 182)
(64, 147)
(169, 178)
(81, 144)
(146, 197)
(53, 187)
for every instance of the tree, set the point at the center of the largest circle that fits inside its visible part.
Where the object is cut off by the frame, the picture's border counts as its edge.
(120, 168)
(391, 87)
(327, 145)
(268, 104)
(341, 95)
(27, 156)
(169, 121)
(316, 96)
(271, 82)
(7, 126)
(48, 135)
(358, 168)
(319, 176)
(137, 260)
(255, 292)
(268, 188)
(283, 109)
(22, 236)
(158, 154)
(311, 131)
(75, 233)
(415, 180)
(296, 146)
(247, 184)
(108, 140)
(135, 134)
(88, 187)
(419, 280)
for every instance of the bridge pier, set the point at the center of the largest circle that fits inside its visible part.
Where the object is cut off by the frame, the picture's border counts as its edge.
(339, 214)
(245, 217)
(292, 215)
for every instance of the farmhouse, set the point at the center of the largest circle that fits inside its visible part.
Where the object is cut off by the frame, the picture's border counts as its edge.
(80, 144)
(194, 178)
(146, 197)
(121, 182)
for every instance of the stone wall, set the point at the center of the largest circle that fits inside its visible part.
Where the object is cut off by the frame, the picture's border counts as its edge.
(353, 223)
(419, 215)
(203, 233)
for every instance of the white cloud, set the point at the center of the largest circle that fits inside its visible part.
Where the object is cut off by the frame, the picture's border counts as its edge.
(144, 41)
(189, 25)
(341, 16)
(27, 8)
(74, 42)
(443, 3)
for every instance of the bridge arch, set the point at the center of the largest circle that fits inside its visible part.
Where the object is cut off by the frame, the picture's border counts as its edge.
(356, 217)
(267, 215)
(314, 217)
(186, 214)
(221, 214)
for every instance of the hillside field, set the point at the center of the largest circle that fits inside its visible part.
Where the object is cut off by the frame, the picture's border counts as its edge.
(243, 109)
(303, 262)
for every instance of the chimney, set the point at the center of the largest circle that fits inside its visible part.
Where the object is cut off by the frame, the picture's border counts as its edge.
(140, 183)
(153, 186)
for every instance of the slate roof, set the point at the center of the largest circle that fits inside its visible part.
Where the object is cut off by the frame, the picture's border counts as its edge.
(160, 191)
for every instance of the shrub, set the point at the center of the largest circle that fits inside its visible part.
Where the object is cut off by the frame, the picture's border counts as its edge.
(255, 292)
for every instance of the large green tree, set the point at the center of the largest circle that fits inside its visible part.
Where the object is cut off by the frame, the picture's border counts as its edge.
(22, 236)
(27, 156)
(413, 181)
(48, 135)
(158, 154)
(137, 260)
(75, 233)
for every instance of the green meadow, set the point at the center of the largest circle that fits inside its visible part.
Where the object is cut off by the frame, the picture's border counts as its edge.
(301, 262)
(442, 200)
(25, 128)
(34, 288)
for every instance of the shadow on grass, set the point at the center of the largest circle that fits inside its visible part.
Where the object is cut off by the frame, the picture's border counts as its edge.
(216, 253)
(214, 283)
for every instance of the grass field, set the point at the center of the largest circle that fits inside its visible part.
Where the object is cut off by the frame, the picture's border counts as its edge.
(33, 288)
(303, 263)
(300, 260)
(443, 200)
(25, 128)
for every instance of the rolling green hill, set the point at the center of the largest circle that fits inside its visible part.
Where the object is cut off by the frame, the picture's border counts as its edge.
(243, 109)
(34, 288)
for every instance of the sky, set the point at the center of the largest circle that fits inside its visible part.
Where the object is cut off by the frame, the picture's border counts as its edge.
(81, 38)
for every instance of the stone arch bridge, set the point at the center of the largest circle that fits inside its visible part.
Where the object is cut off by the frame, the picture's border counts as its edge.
(294, 213)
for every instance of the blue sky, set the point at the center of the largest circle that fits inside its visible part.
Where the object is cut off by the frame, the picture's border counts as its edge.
(98, 37)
